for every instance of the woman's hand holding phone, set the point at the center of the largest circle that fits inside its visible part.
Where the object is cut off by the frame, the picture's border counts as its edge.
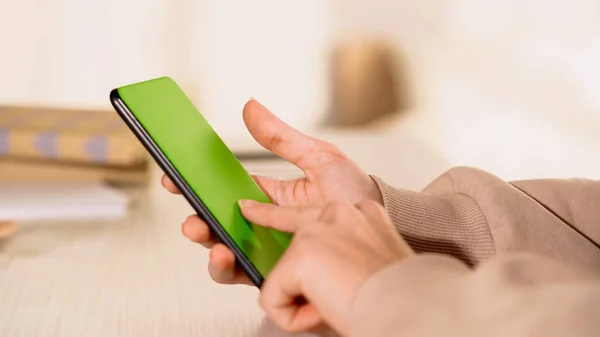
(329, 176)
(325, 263)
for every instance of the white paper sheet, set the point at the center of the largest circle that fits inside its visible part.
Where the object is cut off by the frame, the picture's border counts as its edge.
(23, 202)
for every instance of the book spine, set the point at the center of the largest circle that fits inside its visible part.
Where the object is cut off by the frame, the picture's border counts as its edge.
(15, 171)
(105, 149)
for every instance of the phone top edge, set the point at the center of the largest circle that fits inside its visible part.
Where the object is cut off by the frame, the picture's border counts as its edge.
(114, 95)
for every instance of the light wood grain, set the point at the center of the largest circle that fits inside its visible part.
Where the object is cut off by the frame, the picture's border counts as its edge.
(134, 277)
(139, 276)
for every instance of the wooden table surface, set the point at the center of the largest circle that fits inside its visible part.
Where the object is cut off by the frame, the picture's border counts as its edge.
(132, 277)
(139, 276)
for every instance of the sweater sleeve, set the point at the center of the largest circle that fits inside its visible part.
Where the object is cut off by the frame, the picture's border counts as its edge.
(473, 216)
(517, 295)
(496, 259)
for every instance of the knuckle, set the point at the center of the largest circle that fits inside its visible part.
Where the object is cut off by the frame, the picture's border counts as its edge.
(269, 211)
(341, 206)
(328, 147)
(275, 142)
(298, 252)
(335, 210)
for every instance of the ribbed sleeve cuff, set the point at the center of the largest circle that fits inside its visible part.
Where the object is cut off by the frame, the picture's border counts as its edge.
(451, 224)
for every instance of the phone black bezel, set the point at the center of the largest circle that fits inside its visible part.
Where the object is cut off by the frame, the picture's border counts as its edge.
(197, 204)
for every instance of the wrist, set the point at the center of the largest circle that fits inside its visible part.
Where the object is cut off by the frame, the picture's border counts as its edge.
(375, 192)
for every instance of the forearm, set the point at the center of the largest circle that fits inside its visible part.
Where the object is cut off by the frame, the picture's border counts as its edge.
(516, 295)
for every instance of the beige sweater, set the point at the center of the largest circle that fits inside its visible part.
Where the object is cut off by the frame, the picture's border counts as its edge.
(497, 259)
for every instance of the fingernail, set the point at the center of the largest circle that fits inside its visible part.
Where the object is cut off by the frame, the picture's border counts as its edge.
(250, 99)
(247, 203)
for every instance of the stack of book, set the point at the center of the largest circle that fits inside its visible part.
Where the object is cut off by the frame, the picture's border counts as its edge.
(40, 144)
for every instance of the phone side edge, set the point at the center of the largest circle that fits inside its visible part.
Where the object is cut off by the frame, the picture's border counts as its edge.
(168, 168)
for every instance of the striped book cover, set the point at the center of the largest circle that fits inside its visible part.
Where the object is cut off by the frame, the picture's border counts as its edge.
(98, 137)
(34, 171)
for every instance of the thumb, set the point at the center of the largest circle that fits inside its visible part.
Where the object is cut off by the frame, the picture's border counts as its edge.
(283, 140)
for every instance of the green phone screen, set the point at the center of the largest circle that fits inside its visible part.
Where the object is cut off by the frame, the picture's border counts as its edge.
(206, 164)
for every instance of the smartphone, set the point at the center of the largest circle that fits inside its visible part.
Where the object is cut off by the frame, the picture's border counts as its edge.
(204, 169)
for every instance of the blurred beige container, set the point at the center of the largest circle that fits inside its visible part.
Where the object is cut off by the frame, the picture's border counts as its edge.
(366, 83)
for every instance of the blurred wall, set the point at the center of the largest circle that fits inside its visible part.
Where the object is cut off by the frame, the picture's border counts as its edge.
(72, 52)
(497, 84)
(273, 50)
(513, 86)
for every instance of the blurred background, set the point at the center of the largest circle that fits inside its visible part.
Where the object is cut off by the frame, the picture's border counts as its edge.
(518, 79)
(407, 88)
